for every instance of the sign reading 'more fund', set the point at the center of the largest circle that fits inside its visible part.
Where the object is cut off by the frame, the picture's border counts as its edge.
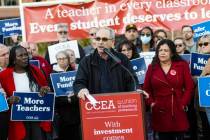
(116, 116)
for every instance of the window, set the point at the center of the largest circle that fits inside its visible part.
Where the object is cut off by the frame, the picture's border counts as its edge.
(10, 2)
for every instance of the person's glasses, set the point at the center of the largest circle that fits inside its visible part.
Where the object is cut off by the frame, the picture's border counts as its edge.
(203, 44)
(142, 34)
(92, 34)
(60, 59)
(178, 45)
(104, 39)
(62, 32)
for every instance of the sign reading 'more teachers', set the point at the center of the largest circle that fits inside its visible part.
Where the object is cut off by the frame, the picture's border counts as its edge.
(117, 116)
(32, 107)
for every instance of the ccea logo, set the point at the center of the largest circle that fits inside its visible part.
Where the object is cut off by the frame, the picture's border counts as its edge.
(207, 92)
(101, 105)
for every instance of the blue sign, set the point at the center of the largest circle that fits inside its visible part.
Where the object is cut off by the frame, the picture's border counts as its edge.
(3, 103)
(35, 63)
(204, 91)
(8, 27)
(198, 62)
(139, 67)
(1, 39)
(63, 82)
(201, 29)
(32, 107)
(186, 57)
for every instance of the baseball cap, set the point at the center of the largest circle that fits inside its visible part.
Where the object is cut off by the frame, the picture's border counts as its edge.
(131, 26)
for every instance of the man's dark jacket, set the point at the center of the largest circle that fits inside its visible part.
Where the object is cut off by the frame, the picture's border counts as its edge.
(88, 74)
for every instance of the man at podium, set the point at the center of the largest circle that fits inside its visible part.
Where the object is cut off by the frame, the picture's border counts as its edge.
(105, 70)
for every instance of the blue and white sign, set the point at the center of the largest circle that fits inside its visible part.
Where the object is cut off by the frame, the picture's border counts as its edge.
(32, 107)
(3, 103)
(204, 91)
(63, 82)
(198, 62)
(139, 67)
(186, 57)
(8, 27)
(148, 57)
(35, 63)
(201, 29)
(1, 39)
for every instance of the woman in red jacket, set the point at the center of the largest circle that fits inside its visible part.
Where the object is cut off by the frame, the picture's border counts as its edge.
(169, 84)
(20, 76)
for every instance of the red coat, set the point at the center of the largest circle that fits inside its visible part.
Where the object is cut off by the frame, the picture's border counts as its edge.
(170, 92)
(44, 65)
(16, 129)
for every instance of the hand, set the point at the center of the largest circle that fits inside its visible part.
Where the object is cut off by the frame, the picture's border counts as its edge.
(13, 99)
(146, 95)
(3, 92)
(44, 90)
(82, 93)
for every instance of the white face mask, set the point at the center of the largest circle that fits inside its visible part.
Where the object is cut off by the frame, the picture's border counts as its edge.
(145, 39)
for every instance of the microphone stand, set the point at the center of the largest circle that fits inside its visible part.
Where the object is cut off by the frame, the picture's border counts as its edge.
(118, 61)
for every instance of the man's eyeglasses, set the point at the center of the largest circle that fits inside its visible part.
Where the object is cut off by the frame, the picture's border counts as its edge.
(60, 59)
(203, 44)
(142, 34)
(104, 39)
(178, 45)
(63, 32)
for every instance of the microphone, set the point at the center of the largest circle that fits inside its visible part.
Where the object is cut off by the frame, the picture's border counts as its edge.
(118, 61)
(109, 53)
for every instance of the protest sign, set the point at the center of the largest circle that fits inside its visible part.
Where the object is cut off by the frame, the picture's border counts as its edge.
(204, 91)
(148, 56)
(1, 39)
(115, 116)
(201, 29)
(198, 61)
(112, 13)
(3, 103)
(8, 27)
(186, 57)
(63, 82)
(32, 107)
(139, 68)
(64, 46)
(35, 63)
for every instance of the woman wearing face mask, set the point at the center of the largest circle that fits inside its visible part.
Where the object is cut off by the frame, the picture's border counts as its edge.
(146, 37)
(128, 49)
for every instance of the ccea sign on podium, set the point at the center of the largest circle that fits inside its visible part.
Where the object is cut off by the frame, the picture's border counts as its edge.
(117, 116)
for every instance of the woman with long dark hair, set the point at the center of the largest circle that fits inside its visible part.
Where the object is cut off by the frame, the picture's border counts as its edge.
(128, 49)
(146, 37)
(22, 77)
(169, 84)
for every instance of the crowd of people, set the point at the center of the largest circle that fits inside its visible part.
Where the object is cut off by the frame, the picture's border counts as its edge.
(171, 94)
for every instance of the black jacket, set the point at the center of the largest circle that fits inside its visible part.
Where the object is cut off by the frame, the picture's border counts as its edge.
(68, 112)
(88, 74)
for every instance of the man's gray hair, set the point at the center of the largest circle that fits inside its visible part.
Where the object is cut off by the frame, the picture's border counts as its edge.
(111, 32)
(62, 25)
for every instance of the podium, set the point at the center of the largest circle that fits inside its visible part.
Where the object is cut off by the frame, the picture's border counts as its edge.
(117, 116)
